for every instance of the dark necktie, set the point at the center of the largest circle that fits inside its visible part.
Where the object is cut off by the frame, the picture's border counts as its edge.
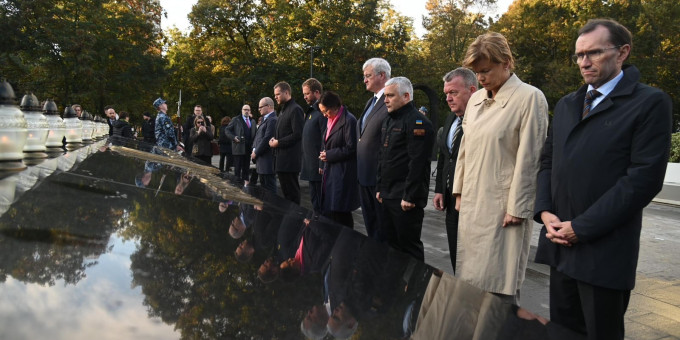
(457, 134)
(588, 102)
(368, 112)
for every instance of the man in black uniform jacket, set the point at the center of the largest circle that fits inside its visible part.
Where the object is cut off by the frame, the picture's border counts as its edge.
(404, 168)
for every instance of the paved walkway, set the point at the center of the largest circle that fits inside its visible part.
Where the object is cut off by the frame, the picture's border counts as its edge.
(654, 309)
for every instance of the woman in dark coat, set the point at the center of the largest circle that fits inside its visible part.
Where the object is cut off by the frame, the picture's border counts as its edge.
(225, 146)
(201, 136)
(338, 157)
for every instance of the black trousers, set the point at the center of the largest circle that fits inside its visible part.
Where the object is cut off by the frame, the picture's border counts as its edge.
(451, 226)
(402, 228)
(342, 217)
(372, 212)
(242, 166)
(315, 195)
(290, 187)
(268, 181)
(592, 310)
(229, 159)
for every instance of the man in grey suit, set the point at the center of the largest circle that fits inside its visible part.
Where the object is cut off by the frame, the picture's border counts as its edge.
(459, 85)
(241, 131)
(377, 72)
(262, 154)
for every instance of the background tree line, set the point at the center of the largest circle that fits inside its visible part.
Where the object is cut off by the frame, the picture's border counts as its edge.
(110, 52)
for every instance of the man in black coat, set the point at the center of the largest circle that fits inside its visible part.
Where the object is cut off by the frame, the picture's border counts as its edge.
(287, 142)
(459, 85)
(404, 168)
(315, 124)
(241, 131)
(603, 161)
(148, 129)
(377, 72)
(262, 154)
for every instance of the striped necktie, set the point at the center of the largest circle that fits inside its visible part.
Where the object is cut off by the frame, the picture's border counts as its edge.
(588, 102)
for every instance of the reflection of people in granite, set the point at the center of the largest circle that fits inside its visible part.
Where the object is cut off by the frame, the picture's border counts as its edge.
(313, 326)
(363, 276)
(244, 252)
(183, 183)
(268, 271)
(313, 247)
(143, 179)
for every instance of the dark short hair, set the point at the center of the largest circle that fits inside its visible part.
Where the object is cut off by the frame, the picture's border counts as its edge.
(313, 84)
(123, 115)
(198, 106)
(283, 86)
(107, 107)
(330, 100)
(226, 120)
(619, 35)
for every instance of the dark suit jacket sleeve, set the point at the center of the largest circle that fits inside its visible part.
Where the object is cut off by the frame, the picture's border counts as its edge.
(543, 184)
(644, 179)
(297, 124)
(232, 127)
(188, 124)
(442, 158)
(267, 135)
(419, 151)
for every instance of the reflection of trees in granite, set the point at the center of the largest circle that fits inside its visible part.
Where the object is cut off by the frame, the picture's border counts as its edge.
(51, 231)
(186, 268)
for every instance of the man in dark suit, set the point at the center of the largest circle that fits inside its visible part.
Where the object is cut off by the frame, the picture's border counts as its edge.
(315, 124)
(287, 142)
(262, 154)
(603, 161)
(241, 130)
(459, 85)
(377, 72)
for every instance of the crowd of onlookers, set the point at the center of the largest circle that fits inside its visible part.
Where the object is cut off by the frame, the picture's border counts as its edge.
(501, 166)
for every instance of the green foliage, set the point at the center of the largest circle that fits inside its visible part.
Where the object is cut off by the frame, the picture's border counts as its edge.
(238, 50)
(542, 34)
(675, 148)
(94, 53)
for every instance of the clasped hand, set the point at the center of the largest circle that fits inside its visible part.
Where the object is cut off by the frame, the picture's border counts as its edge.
(557, 231)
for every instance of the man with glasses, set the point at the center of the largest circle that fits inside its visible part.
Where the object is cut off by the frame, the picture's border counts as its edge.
(603, 162)
(262, 154)
(241, 130)
(377, 72)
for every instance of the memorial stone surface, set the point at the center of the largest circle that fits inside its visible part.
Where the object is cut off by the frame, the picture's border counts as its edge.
(122, 240)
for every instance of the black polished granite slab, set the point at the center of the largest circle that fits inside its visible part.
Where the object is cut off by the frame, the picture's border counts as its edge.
(125, 241)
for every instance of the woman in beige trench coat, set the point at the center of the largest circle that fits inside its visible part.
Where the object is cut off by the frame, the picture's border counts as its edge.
(504, 128)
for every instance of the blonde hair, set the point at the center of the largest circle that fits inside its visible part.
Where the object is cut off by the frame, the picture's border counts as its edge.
(491, 46)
